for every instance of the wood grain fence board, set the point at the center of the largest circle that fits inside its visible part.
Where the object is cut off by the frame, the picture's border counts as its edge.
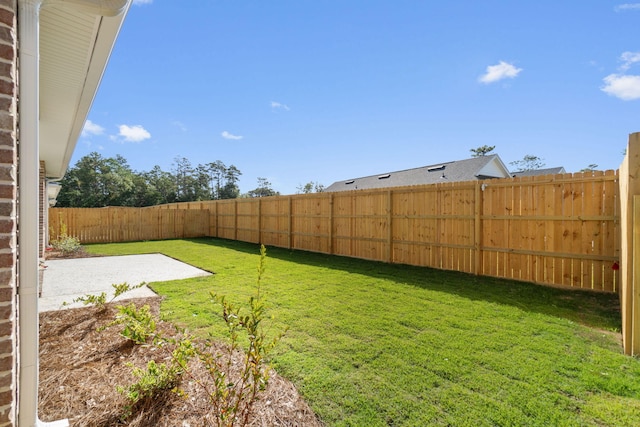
(593, 201)
(560, 230)
(274, 225)
(612, 233)
(311, 223)
(573, 238)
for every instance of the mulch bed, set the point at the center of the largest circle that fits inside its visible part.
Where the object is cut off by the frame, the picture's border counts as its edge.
(80, 369)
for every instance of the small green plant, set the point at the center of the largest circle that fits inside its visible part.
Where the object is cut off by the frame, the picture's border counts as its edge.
(232, 396)
(64, 243)
(138, 323)
(232, 387)
(156, 377)
(100, 300)
(97, 300)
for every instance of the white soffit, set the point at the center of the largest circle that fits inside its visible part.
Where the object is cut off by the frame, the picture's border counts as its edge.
(74, 50)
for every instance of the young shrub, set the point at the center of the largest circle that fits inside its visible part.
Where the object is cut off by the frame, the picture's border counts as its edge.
(138, 323)
(158, 377)
(232, 394)
(100, 300)
(232, 388)
(64, 243)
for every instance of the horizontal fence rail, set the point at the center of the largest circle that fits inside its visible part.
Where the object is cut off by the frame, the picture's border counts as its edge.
(560, 230)
(116, 224)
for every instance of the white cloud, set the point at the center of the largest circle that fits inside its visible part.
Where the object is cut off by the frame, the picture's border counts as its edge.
(91, 128)
(627, 6)
(276, 105)
(227, 135)
(133, 133)
(503, 70)
(179, 125)
(622, 86)
(628, 59)
(139, 2)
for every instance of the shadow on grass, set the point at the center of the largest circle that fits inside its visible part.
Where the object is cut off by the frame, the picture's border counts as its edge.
(594, 309)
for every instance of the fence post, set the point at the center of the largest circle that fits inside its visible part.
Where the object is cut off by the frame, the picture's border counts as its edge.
(630, 246)
(235, 220)
(259, 220)
(290, 226)
(635, 309)
(331, 223)
(216, 233)
(477, 234)
(389, 226)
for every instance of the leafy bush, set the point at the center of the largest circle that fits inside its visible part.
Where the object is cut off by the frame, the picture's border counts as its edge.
(65, 243)
(156, 377)
(139, 324)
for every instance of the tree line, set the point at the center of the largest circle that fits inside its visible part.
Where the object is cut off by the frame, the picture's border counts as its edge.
(97, 181)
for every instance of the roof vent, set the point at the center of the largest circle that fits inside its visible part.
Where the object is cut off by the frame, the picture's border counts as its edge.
(385, 176)
(435, 168)
(351, 181)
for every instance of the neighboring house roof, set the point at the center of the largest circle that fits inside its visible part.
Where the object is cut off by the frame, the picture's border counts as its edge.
(483, 167)
(536, 172)
(74, 49)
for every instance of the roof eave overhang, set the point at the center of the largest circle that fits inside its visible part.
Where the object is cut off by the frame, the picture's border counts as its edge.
(75, 47)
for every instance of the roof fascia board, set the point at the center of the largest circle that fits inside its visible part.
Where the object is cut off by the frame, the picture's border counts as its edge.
(105, 35)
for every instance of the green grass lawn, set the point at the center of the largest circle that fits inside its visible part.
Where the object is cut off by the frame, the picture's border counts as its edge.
(373, 344)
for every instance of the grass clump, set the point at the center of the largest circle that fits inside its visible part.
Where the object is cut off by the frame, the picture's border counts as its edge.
(377, 344)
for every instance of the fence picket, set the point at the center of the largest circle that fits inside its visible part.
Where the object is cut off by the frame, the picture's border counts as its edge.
(558, 230)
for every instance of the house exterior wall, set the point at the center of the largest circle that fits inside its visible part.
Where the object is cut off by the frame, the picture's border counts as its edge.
(8, 212)
(43, 211)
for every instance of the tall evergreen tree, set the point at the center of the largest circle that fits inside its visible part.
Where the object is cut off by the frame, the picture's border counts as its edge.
(264, 189)
(96, 181)
(482, 151)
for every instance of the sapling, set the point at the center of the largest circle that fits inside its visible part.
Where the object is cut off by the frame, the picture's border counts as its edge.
(138, 323)
(100, 300)
(232, 396)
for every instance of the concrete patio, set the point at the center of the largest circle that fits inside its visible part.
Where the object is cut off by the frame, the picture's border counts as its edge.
(66, 279)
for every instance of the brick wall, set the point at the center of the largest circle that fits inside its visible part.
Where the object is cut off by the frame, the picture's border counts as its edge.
(8, 210)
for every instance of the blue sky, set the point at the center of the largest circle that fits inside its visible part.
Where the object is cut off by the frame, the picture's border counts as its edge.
(326, 90)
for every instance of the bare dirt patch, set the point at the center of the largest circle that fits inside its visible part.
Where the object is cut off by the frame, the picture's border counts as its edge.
(81, 367)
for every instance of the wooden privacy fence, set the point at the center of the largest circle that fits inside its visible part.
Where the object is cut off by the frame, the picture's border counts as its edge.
(557, 230)
(630, 246)
(117, 224)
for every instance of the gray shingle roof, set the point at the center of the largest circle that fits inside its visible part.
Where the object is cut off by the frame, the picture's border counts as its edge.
(462, 170)
(536, 172)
